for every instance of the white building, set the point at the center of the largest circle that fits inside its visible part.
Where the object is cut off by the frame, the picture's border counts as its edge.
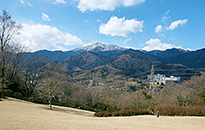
(163, 79)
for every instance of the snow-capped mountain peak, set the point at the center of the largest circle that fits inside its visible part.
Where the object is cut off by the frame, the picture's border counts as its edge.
(100, 47)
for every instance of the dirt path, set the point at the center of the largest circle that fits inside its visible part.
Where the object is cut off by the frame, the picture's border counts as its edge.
(22, 115)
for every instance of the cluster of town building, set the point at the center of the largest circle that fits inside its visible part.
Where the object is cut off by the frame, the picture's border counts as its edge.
(162, 79)
(158, 80)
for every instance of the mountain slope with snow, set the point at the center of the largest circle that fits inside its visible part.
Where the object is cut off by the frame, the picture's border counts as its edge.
(100, 47)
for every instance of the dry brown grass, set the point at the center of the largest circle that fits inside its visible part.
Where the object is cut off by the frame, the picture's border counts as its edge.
(21, 115)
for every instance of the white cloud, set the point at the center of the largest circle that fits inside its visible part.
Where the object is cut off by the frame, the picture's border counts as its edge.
(45, 17)
(158, 29)
(155, 44)
(85, 5)
(87, 44)
(22, 1)
(120, 27)
(39, 37)
(129, 47)
(175, 24)
(127, 40)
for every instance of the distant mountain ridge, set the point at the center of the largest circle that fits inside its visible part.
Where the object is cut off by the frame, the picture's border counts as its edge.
(128, 62)
(167, 53)
(193, 59)
(107, 50)
(133, 63)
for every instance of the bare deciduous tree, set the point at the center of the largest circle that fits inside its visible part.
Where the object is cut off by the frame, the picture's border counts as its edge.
(52, 80)
(8, 48)
(16, 62)
(34, 71)
(66, 88)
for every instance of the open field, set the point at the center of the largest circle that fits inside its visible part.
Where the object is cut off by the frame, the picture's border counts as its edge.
(21, 115)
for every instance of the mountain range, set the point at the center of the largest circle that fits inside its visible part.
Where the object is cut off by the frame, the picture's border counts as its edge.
(127, 62)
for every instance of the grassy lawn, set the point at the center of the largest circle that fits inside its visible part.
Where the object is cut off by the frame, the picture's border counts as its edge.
(22, 115)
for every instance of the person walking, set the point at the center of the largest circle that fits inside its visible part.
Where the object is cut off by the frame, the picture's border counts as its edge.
(157, 114)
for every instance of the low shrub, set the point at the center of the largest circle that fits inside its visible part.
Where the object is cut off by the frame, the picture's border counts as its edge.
(132, 112)
(103, 114)
(8, 92)
(173, 110)
(87, 108)
(31, 99)
(18, 95)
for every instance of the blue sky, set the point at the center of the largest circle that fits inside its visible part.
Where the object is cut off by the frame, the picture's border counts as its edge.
(138, 24)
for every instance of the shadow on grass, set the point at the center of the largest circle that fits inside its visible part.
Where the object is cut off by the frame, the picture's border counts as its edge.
(69, 111)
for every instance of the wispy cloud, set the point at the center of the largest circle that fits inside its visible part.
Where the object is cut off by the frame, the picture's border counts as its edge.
(61, 1)
(120, 27)
(127, 40)
(175, 24)
(98, 20)
(166, 16)
(45, 17)
(29, 4)
(86, 5)
(22, 1)
(58, 1)
(167, 12)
